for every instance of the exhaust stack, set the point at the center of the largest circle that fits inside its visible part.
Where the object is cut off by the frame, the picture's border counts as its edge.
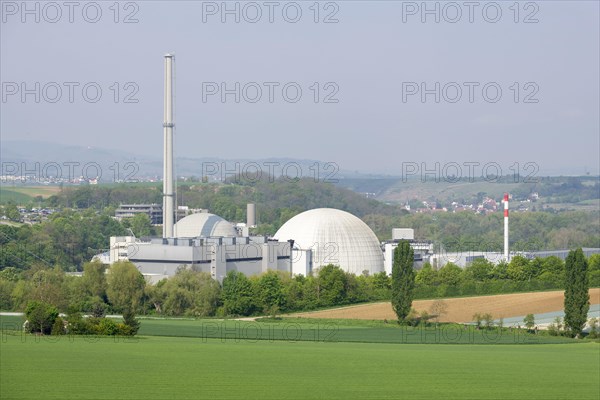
(168, 192)
(506, 251)
(251, 215)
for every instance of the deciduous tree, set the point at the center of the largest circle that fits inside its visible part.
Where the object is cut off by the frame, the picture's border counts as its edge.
(125, 286)
(237, 294)
(450, 274)
(270, 293)
(331, 282)
(40, 316)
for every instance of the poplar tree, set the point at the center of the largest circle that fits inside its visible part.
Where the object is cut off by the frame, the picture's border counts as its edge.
(576, 292)
(403, 280)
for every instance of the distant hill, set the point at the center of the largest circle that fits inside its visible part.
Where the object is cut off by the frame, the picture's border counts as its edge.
(119, 165)
(113, 163)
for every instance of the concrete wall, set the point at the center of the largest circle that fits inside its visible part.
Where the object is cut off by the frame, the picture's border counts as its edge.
(216, 258)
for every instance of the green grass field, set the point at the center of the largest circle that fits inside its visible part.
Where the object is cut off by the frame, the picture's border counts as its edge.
(13, 196)
(323, 330)
(23, 194)
(168, 367)
(231, 363)
(319, 330)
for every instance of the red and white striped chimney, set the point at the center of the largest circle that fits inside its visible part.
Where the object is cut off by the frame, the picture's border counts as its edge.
(506, 253)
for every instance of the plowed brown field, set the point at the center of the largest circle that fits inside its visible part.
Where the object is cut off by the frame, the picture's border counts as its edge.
(462, 309)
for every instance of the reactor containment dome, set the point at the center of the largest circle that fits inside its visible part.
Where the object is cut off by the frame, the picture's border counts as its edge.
(203, 225)
(335, 237)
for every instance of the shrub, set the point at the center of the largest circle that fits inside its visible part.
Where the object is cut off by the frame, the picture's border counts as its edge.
(98, 309)
(501, 323)
(477, 318)
(488, 320)
(593, 329)
(58, 328)
(130, 320)
(124, 330)
(424, 318)
(553, 330)
(412, 319)
(529, 321)
(77, 325)
(107, 326)
(41, 316)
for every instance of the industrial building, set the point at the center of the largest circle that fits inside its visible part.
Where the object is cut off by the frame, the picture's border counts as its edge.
(153, 211)
(200, 241)
(464, 258)
(161, 258)
(423, 250)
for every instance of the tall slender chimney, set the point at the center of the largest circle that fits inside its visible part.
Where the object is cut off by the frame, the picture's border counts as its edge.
(168, 193)
(506, 253)
(250, 215)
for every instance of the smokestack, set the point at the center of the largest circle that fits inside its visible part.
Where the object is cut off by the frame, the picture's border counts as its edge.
(168, 193)
(251, 215)
(506, 253)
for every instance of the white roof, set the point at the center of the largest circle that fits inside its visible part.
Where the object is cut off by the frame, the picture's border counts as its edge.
(336, 237)
(203, 224)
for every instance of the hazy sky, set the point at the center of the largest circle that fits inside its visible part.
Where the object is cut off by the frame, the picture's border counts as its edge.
(375, 61)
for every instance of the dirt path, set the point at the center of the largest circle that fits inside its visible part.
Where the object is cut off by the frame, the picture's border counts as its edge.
(462, 309)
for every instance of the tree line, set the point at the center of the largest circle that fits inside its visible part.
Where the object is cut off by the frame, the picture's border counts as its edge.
(194, 294)
(71, 237)
(575, 277)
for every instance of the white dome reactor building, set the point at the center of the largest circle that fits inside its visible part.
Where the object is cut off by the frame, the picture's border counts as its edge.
(204, 225)
(329, 236)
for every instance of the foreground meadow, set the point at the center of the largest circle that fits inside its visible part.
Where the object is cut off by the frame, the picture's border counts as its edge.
(230, 367)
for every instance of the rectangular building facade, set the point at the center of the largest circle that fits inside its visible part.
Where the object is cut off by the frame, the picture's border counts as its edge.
(162, 258)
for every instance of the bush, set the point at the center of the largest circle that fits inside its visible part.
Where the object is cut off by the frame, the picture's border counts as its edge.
(102, 326)
(41, 316)
(130, 320)
(593, 329)
(553, 330)
(477, 318)
(424, 318)
(107, 327)
(58, 328)
(594, 278)
(124, 330)
(529, 321)
(468, 288)
(98, 309)
(488, 320)
(77, 325)
(412, 319)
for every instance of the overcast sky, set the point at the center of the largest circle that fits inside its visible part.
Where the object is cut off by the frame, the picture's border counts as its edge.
(374, 61)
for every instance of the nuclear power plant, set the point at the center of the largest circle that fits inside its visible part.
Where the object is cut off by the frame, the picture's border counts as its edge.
(206, 242)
